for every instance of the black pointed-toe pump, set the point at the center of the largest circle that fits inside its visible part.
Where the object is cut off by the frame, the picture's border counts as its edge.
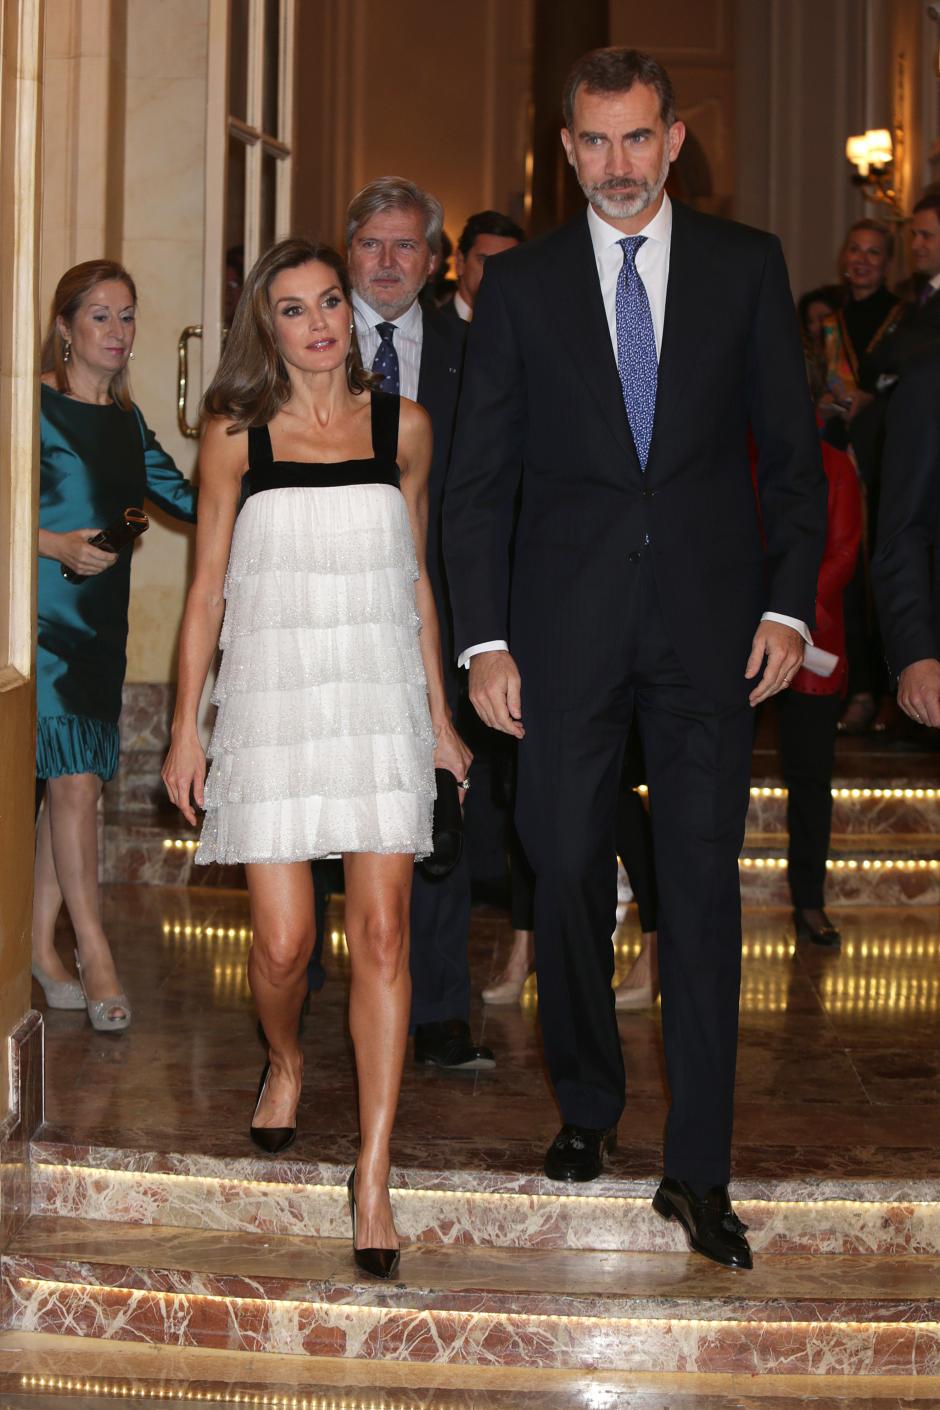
(270, 1139)
(377, 1262)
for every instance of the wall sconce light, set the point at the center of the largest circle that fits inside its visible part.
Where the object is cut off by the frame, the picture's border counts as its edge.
(872, 154)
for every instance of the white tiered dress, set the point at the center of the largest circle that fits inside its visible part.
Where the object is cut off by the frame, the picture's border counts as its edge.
(323, 741)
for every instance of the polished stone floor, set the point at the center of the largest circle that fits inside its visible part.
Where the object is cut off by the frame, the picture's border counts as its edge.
(39, 1373)
(838, 1070)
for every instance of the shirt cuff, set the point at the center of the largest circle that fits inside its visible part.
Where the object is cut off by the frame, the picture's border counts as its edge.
(793, 622)
(464, 658)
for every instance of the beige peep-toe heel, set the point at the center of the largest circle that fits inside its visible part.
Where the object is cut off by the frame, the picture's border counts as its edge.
(60, 993)
(99, 1010)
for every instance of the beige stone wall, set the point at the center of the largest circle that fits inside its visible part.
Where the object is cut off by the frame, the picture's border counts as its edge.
(438, 93)
(20, 77)
(83, 136)
(124, 106)
(164, 180)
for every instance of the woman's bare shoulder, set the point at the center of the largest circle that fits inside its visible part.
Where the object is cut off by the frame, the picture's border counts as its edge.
(224, 444)
(414, 422)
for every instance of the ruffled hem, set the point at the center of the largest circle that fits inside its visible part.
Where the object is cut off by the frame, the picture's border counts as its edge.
(301, 829)
(338, 529)
(336, 712)
(352, 769)
(309, 599)
(290, 658)
(289, 549)
(76, 744)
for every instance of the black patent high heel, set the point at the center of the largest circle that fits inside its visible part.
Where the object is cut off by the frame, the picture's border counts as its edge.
(270, 1139)
(377, 1262)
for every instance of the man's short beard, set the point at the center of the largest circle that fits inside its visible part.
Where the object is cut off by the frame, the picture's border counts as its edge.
(390, 306)
(624, 205)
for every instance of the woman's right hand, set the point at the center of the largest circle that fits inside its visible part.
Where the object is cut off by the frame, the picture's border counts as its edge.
(184, 775)
(74, 551)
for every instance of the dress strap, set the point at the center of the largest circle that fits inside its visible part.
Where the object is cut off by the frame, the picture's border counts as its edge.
(385, 417)
(259, 447)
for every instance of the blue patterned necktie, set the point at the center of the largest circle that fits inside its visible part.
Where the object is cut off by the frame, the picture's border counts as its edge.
(636, 349)
(385, 362)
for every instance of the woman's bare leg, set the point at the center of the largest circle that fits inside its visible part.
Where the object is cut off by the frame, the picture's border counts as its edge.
(47, 903)
(283, 925)
(520, 962)
(72, 801)
(378, 899)
(639, 988)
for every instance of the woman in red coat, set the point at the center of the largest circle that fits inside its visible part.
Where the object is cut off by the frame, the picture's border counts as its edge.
(809, 711)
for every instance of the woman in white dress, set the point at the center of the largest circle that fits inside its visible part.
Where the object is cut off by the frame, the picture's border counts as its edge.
(332, 714)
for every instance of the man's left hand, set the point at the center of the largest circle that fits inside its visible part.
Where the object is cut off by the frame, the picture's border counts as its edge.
(783, 648)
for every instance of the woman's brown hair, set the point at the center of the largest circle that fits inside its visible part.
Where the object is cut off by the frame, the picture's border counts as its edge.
(251, 383)
(71, 291)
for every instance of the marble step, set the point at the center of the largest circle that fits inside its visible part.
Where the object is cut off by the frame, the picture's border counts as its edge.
(865, 868)
(668, 1312)
(44, 1372)
(491, 1207)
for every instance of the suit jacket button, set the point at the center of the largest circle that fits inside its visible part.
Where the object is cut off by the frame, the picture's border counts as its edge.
(634, 557)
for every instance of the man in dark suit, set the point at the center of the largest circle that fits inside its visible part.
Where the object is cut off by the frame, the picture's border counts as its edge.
(917, 334)
(393, 232)
(906, 565)
(485, 234)
(619, 362)
(487, 821)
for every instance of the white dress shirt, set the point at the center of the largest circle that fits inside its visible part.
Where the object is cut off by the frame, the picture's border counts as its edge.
(408, 341)
(652, 263)
(462, 308)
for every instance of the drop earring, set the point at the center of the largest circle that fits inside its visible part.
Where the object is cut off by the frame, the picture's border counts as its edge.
(130, 354)
(66, 351)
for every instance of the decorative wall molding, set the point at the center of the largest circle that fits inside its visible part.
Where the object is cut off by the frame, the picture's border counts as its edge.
(23, 1120)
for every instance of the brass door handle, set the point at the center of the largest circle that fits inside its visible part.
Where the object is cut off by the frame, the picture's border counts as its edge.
(194, 330)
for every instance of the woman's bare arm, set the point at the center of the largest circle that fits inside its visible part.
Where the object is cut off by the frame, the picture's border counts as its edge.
(414, 458)
(222, 463)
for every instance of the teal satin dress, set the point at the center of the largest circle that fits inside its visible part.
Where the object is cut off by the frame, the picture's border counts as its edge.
(95, 462)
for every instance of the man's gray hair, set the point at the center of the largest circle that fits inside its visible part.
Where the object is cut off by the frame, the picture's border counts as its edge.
(394, 193)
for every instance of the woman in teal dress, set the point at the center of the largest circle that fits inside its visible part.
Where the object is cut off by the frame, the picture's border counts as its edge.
(97, 458)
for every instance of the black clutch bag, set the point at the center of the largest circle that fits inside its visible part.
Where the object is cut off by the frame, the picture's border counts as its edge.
(130, 526)
(446, 828)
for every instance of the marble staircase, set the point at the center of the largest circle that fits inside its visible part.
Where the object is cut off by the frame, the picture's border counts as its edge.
(500, 1271)
(40, 1372)
(884, 848)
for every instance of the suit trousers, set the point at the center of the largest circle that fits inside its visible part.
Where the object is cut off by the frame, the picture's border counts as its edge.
(807, 733)
(698, 755)
(440, 930)
(440, 924)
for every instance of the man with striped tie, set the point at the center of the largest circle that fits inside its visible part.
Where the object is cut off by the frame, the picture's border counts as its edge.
(613, 370)
(393, 238)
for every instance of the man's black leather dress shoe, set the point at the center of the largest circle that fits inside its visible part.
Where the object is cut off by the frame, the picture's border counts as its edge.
(448, 1045)
(711, 1224)
(577, 1153)
(824, 934)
